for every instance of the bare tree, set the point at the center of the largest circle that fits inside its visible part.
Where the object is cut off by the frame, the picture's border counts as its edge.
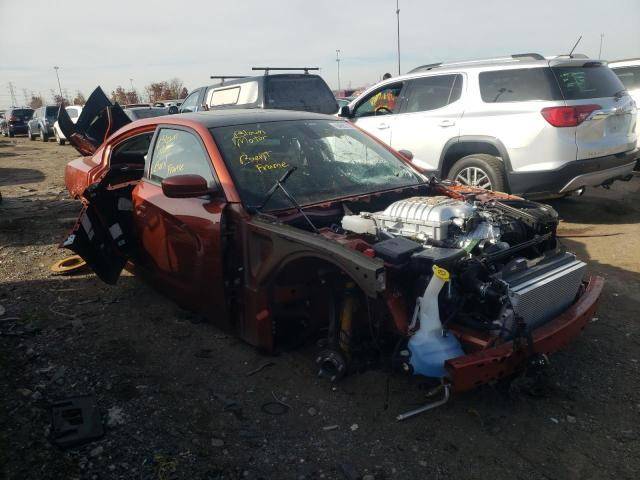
(132, 97)
(119, 96)
(166, 90)
(79, 99)
(35, 102)
(155, 91)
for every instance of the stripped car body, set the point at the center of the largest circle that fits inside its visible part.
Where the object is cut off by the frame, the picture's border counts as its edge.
(356, 251)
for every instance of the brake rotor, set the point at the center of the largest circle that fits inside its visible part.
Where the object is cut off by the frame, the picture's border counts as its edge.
(69, 264)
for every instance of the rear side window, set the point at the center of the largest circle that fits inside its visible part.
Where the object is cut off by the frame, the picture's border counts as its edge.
(579, 83)
(304, 92)
(227, 96)
(177, 152)
(431, 93)
(518, 85)
(629, 76)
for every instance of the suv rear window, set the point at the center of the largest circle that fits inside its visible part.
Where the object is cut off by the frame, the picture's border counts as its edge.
(22, 113)
(579, 83)
(629, 76)
(518, 85)
(52, 112)
(304, 92)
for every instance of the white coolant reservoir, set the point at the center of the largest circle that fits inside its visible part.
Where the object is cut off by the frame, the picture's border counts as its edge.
(429, 347)
(358, 224)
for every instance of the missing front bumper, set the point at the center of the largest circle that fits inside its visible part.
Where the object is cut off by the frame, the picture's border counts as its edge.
(494, 363)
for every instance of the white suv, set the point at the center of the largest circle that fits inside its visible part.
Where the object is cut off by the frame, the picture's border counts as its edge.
(525, 124)
(628, 71)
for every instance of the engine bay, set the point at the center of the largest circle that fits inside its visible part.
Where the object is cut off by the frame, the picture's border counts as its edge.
(466, 269)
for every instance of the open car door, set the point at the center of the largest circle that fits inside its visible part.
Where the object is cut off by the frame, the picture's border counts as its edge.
(101, 235)
(99, 119)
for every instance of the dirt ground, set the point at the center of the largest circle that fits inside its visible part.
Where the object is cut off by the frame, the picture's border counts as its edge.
(179, 404)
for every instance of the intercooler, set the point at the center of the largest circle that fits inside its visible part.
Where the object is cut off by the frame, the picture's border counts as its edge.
(541, 292)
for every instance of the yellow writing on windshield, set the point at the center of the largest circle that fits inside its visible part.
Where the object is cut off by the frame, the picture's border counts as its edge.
(271, 166)
(248, 137)
(258, 157)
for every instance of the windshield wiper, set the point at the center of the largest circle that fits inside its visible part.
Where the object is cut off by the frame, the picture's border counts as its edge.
(280, 185)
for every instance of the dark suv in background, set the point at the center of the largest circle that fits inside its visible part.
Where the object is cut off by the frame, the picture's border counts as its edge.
(15, 121)
(286, 91)
(42, 122)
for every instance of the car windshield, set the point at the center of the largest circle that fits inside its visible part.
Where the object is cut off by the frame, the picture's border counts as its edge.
(333, 160)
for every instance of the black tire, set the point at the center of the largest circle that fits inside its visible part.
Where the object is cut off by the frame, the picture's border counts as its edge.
(10, 134)
(488, 164)
(43, 135)
(31, 136)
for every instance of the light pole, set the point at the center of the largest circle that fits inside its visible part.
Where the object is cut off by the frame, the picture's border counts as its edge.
(59, 87)
(131, 82)
(338, 63)
(398, 17)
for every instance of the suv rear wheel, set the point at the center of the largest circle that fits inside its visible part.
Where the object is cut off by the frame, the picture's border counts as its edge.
(31, 135)
(479, 170)
(43, 136)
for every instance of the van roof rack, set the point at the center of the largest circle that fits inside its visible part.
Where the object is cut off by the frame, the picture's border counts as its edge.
(222, 78)
(267, 69)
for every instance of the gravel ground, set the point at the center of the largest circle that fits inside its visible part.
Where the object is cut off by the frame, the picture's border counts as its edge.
(178, 403)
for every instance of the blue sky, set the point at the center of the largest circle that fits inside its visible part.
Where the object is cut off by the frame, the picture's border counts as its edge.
(107, 43)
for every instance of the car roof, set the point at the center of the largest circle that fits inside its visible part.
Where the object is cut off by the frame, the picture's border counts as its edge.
(627, 62)
(223, 118)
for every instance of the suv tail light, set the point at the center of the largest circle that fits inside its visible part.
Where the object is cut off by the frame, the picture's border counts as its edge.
(568, 116)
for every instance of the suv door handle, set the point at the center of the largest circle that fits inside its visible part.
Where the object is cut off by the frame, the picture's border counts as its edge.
(383, 126)
(447, 123)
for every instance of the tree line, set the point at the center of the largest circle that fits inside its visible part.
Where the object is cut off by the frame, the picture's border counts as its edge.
(154, 92)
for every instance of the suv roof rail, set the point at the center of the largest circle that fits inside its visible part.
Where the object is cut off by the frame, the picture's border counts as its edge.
(267, 69)
(624, 60)
(424, 68)
(527, 56)
(222, 78)
(573, 55)
(515, 56)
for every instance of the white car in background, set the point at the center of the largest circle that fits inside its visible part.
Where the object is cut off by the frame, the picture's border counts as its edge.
(525, 124)
(628, 71)
(74, 113)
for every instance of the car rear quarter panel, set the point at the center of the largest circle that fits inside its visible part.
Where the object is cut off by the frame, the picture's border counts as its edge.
(79, 173)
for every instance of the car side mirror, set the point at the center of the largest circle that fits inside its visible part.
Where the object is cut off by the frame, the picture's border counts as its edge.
(186, 186)
(406, 154)
(344, 111)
